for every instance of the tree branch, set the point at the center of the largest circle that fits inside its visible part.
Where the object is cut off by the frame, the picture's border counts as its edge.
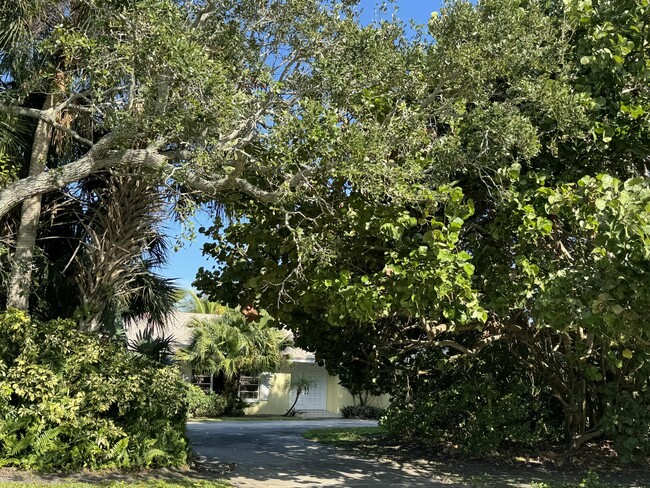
(54, 179)
(47, 117)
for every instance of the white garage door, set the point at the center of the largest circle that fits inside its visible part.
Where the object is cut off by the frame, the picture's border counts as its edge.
(316, 397)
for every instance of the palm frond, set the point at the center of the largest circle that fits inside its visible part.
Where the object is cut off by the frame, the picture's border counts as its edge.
(230, 344)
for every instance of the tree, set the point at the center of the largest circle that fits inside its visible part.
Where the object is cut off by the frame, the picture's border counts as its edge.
(193, 303)
(99, 255)
(199, 96)
(230, 344)
(301, 385)
(498, 237)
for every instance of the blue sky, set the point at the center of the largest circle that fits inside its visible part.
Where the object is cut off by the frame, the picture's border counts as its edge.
(418, 10)
(184, 263)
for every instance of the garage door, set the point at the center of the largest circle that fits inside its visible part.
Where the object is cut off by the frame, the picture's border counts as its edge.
(316, 397)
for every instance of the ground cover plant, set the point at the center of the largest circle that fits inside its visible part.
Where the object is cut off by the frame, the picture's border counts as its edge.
(344, 436)
(362, 412)
(69, 400)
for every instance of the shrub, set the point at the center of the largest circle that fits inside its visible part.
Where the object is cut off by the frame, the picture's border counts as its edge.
(235, 407)
(366, 412)
(201, 404)
(475, 416)
(627, 422)
(69, 400)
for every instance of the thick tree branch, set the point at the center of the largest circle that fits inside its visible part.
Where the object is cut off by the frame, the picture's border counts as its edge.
(101, 156)
(47, 117)
(55, 179)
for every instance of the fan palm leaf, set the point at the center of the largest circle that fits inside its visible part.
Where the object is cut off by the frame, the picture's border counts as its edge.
(230, 345)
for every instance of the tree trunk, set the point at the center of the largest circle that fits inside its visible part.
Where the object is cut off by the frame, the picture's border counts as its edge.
(23, 259)
(292, 412)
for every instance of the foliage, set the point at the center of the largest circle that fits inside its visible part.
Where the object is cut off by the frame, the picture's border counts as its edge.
(69, 401)
(207, 405)
(362, 412)
(100, 255)
(176, 482)
(300, 384)
(581, 255)
(470, 222)
(480, 405)
(474, 416)
(156, 348)
(192, 303)
(592, 480)
(230, 344)
(204, 98)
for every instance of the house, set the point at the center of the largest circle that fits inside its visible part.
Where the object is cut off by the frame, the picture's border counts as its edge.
(268, 393)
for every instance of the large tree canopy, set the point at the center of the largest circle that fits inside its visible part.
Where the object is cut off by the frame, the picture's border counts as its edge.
(221, 100)
(503, 201)
(209, 96)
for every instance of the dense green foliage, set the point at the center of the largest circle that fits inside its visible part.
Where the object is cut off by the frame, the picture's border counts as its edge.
(211, 404)
(421, 211)
(499, 204)
(191, 101)
(478, 406)
(157, 482)
(231, 344)
(69, 401)
(202, 404)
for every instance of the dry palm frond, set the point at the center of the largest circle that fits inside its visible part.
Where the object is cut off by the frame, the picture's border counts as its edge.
(122, 243)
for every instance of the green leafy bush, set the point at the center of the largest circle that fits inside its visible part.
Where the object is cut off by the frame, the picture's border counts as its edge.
(478, 405)
(69, 400)
(627, 422)
(235, 407)
(201, 404)
(474, 415)
(362, 412)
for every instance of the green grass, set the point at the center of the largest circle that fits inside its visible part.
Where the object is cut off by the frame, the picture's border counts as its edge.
(177, 483)
(344, 436)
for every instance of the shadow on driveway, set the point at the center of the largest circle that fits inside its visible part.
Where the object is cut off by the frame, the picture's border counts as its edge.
(273, 454)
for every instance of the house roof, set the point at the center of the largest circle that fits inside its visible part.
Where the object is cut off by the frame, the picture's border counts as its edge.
(178, 326)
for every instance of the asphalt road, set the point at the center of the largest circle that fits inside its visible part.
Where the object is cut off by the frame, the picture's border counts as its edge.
(273, 454)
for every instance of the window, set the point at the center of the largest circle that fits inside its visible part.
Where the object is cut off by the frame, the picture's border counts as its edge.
(203, 381)
(249, 388)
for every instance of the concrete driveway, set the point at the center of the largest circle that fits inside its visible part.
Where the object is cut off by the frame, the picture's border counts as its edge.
(273, 454)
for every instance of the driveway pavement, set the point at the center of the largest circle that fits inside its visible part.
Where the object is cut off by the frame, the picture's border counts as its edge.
(273, 454)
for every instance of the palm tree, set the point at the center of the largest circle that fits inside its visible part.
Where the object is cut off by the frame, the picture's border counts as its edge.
(301, 385)
(15, 133)
(100, 253)
(191, 302)
(230, 344)
(21, 25)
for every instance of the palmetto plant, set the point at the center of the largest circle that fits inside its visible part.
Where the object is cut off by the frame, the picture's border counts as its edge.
(157, 348)
(101, 250)
(230, 344)
(193, 303)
